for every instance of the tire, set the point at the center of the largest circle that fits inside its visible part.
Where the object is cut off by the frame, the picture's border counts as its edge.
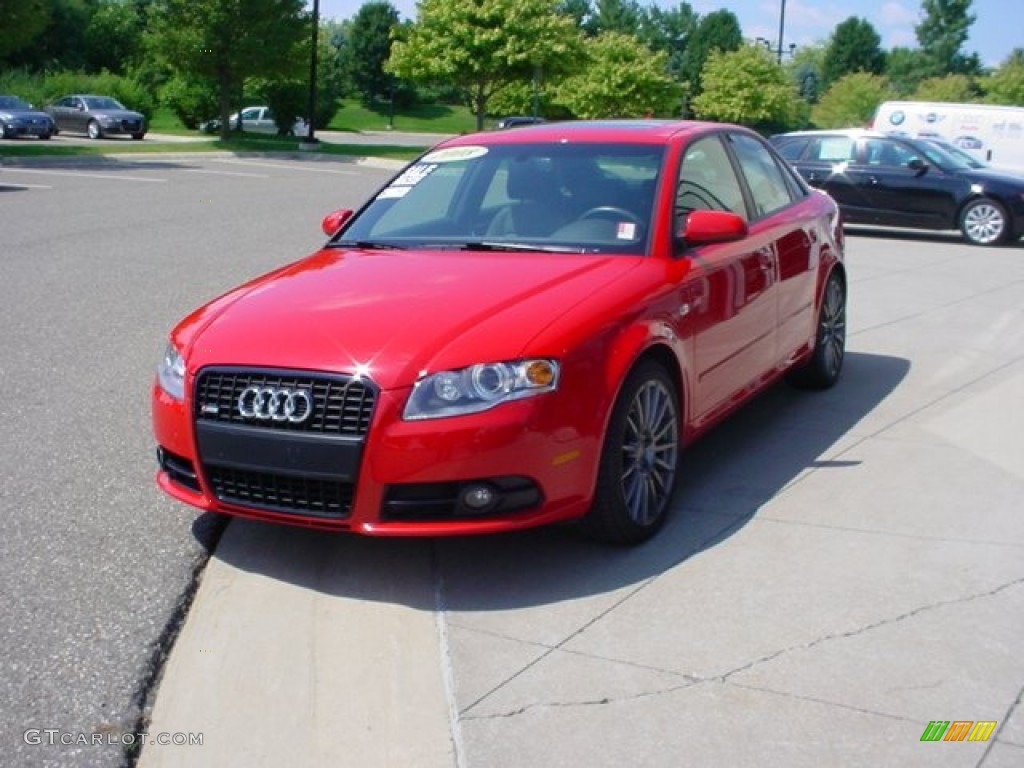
(4, 133)
(138, 136)
(983, 221)
(639, 460)
(46, 136)
(822, 370)
(94, 130)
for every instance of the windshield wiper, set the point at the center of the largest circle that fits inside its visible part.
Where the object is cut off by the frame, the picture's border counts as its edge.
(378, 245)
(500, 245)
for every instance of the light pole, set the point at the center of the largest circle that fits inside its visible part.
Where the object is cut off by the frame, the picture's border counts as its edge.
(782, 29)
(310, 139)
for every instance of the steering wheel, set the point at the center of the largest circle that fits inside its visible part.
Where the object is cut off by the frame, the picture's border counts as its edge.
(609, 211)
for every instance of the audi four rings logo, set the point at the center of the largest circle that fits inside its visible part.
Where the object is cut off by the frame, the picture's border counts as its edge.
(273, 404)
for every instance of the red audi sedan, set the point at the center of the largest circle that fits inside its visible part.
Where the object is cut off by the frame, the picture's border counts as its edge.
(521, 327)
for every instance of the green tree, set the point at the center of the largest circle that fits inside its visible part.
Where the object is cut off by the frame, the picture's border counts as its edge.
(113, 36)
(21, 23)
(719, 30)
(614, 16)
(805, 69)
(942, 33)
(229, 43)
(483, 46)
(748, 86)
(953, 88)
(1006, 84)
(851, 101)
(669, 31)
(906, 68)
(854, 47)
(368, 47)
(61, 45)
(621, 77)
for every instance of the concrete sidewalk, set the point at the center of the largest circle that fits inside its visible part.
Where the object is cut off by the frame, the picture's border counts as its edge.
(842, 568)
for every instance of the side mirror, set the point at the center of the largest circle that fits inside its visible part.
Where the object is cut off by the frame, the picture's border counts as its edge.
(703, 226)
(917, 165)
(335, 220)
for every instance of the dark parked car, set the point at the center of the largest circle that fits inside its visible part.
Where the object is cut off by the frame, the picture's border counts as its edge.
(97, 116)
(515, 121)
(18, 118)
(898, 181)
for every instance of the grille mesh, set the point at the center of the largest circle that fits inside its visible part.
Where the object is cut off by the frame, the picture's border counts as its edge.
(282, 493)
(342, 405)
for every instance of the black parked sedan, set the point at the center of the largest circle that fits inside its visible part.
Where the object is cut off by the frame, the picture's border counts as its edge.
(97, 116)
(18, 118)
(896, 181)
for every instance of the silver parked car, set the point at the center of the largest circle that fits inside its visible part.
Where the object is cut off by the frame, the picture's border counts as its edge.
(96, 116)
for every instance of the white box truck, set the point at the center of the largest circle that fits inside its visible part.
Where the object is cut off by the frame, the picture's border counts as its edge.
(991, 133)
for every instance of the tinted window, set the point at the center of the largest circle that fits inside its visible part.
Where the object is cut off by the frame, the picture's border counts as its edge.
(793, 148)
(888, 153)
(768, 186)
(707, 180)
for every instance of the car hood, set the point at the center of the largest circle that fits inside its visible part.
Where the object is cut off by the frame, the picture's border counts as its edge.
(117, 114)
(396, 314)
(991, 175)
(23, 113)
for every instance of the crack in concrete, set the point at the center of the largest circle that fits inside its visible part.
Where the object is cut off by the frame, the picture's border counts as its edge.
(582, 703)
(718, 534)
(868, 627)
(999, 729)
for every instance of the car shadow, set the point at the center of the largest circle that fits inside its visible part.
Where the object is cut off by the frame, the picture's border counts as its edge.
(726, 478)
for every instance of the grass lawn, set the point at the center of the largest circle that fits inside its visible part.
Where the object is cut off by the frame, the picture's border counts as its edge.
(421, 118)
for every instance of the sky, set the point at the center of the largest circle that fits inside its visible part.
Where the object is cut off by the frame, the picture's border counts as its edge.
(997, 30)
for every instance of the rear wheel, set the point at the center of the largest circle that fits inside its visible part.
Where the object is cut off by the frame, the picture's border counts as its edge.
(826, 362)
(984, 222)
(639, 459)
(94, 130)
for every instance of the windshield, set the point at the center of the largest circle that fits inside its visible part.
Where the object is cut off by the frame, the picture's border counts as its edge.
(102, 102)
(962, 155)
(939, 155)
(545, 197)
(13, 102)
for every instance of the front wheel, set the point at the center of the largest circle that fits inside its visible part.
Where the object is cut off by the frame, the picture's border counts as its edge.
(639, 459)
(984, 222)
(94, 130)
(822, 370)
(138, 136)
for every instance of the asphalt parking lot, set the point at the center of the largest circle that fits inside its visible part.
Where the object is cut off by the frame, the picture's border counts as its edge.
(841, 569)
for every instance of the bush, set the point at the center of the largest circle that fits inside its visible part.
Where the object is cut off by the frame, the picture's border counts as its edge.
(191, 100)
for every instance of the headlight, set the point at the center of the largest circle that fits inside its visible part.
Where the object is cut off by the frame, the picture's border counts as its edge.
(479, 387)
(171, 372)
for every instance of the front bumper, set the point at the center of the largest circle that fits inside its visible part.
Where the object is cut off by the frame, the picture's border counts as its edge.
(403, 479)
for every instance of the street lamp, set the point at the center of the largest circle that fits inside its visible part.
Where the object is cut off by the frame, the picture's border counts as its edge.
(310, 139)
(782, 29)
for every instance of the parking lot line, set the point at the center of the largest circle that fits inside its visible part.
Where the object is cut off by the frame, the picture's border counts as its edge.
(227, 173)
(281, 166)
(84, 175)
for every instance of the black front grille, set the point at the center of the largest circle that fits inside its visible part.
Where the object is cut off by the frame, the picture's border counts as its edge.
(342, 405)
(131, 126)
(282, 493)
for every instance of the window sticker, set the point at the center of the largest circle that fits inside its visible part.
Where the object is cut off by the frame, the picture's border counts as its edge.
(413, 175)
(391, 192)
(454, 154)
(626, 230)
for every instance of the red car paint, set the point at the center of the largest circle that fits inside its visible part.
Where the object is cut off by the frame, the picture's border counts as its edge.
(724, 319)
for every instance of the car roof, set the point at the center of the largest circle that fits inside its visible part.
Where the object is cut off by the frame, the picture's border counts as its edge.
(635, 131)
(854, 133)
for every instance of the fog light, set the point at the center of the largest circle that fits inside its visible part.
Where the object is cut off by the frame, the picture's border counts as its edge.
(479, 497)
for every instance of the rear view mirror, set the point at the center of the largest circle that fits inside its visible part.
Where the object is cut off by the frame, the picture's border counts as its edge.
(335, 220)
(702, 226)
